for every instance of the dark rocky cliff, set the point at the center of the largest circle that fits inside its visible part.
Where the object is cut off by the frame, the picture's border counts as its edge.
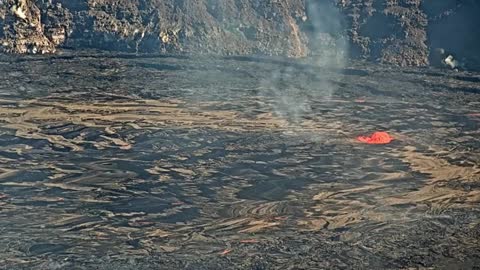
(400, 32)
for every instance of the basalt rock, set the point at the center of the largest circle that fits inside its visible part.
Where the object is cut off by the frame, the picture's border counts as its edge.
(171, 26)
(22, 28)
(399, 32)
(389, 31)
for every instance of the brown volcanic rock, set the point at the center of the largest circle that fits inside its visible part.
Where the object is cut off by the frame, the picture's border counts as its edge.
(399, 32)
(223, 27)
(388, 31)
(22, 29)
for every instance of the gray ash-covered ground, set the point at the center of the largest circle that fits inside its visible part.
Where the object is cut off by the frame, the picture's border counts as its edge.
(157, 162)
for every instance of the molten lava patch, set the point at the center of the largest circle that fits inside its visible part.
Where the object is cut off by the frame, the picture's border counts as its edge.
(376, 138)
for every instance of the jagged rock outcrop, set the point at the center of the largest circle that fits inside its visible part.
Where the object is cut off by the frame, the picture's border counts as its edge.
(399, 32)
(389, 31)
(223, 27)
(22, 28)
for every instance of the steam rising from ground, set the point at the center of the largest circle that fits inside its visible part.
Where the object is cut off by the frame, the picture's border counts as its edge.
(292, 92)
(287, 88)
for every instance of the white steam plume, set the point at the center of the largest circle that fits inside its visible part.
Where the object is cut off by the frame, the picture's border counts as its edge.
(293, 92)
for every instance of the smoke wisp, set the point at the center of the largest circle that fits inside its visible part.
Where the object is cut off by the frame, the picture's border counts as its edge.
(291, 90)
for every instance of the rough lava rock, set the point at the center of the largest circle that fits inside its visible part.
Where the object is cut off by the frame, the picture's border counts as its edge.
(389, 31)
(22, 28)
(169, 26)
(399, 32)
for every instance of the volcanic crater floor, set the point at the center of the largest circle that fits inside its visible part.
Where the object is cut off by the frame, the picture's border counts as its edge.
(117, 161)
